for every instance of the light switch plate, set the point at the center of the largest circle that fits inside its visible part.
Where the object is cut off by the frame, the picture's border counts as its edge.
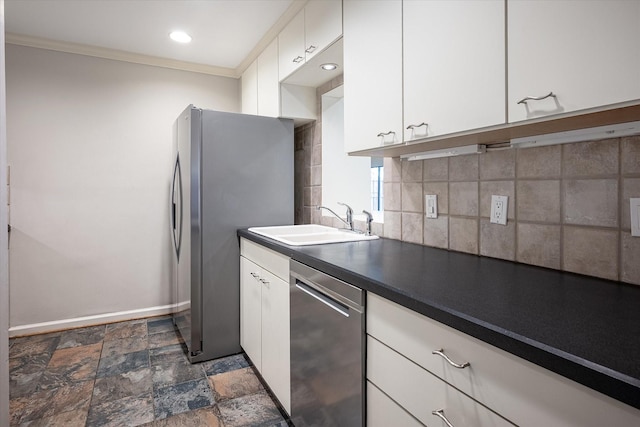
(635, 216)
(499, 206)
(431, 205)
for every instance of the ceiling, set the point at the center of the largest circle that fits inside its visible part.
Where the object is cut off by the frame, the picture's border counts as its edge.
(227, 34)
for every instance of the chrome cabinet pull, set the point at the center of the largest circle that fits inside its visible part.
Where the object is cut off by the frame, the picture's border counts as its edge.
(298, 59)
(310, 49)
(417, 126)
(255, 276)
(451, 362)
(440, 414)
(536, 98)
(386, 133)
(264, 282)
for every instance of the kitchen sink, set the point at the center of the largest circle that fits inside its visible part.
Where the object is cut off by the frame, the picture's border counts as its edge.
(310, 234)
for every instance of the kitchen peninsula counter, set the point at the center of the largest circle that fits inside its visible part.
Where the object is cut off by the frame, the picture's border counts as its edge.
(583, 328)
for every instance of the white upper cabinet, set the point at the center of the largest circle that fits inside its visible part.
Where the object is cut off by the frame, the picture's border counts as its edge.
(454, 66)
(372, 73)
(323, 25)
(587, 53)
(268, 82)
(291, 46)
(310, 32)
(249, 83)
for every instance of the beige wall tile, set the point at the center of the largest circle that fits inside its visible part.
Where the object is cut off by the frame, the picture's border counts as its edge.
(539, 244)
(326, 220)
(591, 202)
(440, 189)
(316, 216)
(497, 188)
(307, 196)
(316, 196)
(631, 154)
(392, 196)
(436, 231)
(412, 197)
(498, 241)
(315, 133)
(463, 168)
(463, 198)
(630, 188)
(392, 169)
(306, 215)
(412, 227)
(316, 175)
(436, 169)
(538, 201)
(630, 259)
(377, 228)
(412, 171)
(539, 162)
(591, 251)
(316, 155)
(498, 164)
(590, 158)
(393, 225)
(463, 234)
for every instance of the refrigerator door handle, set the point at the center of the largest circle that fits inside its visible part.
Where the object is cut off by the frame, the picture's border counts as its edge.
(176, 208)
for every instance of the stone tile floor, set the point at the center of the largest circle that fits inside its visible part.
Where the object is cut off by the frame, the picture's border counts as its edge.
(129, 374)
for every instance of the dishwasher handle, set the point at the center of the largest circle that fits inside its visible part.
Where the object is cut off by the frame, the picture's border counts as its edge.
(327, 300)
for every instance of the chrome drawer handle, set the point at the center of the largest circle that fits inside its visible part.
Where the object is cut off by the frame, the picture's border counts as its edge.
(255, 276)
(386, 133)
(310, 49)
(440, 414)
(451, 362)
(264, 282)
(298, 59)
(417, 126)
(536, 98)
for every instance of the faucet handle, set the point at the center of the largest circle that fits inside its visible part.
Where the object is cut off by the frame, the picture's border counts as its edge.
(349, 210)
(369, 221)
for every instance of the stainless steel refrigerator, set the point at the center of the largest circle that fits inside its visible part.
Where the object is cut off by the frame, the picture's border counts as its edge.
(231, 171)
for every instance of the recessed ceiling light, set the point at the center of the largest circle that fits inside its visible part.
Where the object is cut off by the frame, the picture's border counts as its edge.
(329, 66)
(180, 37)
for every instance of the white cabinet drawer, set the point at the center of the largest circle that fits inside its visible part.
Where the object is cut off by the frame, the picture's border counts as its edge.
(420, 392)
(384, 412)
(521, 391)
(272, 261)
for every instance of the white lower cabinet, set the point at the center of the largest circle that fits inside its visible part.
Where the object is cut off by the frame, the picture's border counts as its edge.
(423, 394)
(384, 412)
(264, 316)
(401, 362)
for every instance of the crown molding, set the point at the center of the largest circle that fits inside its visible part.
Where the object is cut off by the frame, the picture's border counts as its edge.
(118, 55)
(293, 9)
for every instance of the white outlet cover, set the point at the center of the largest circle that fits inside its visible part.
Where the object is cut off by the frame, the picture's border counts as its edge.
(499, 205)
(431, 205)
(635, 216)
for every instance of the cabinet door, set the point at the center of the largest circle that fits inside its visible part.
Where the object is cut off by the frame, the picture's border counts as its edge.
(251, 311)
(454, 66)
(384, 412)
(250, 89)
(291, 46)
(275, 339)
(586, 52)
(323, 25)
(268, 82)
(372, 73)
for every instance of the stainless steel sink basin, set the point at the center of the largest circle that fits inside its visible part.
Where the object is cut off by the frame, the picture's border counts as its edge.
(311, 234)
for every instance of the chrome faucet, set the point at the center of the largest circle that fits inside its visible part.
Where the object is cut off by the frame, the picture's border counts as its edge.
(349, 221)
(369, 221)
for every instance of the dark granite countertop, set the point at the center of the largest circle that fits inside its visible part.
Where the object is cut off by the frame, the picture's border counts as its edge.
(583, 328)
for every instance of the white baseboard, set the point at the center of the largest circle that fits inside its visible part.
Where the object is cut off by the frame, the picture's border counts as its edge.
(80, 322)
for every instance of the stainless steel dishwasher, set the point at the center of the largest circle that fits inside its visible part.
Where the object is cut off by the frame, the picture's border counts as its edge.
(327, 350)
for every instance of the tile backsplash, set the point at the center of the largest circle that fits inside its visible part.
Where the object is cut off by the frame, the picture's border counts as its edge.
(568, 205)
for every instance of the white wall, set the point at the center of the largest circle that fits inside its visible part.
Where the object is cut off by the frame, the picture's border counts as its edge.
(4, 256)
(345, 178)
(90, 150)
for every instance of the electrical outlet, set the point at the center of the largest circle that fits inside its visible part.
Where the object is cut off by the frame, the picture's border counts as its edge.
(499, 209)
(431, 205)
(635, 216)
